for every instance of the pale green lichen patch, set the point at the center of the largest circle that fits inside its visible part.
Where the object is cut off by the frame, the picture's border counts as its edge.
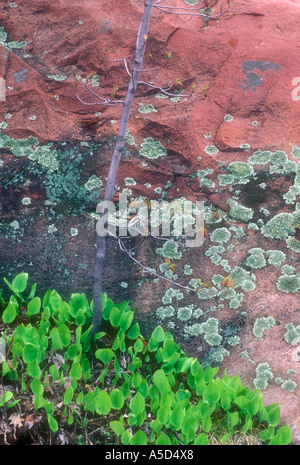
(228, 118)
(211, 149)
(220, 235)
(26, 201)
(261, 325)
(292, 334)
(146, 108)
(289, 385)
(240, 212)
(57, 77)
(288, 269)
(263, 375)
(94, 182)
(73, 232)
(225, 179)
(240, 170)
(260, 157)
(296, 151)
(130, 182)
(204, 181)
(276, 257)
(256, 259)
(152, 149)
(279, 226)
(288, 283)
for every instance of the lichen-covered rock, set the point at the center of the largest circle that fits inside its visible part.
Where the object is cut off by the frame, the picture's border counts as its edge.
(234, 144)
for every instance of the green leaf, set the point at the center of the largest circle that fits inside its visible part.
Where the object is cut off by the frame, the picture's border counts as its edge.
(30, 352)
(208, 374)
(52, 423)
(71, 352)
(38, 401)
(105, 355)
(33, 369)
(212, 393)
(161, 382)
(143, 388)
(80, 317)
(139, 439)
(75, 371)
(107, 305)
(189, 435)
(55, 300)
(126, 389)
(183, 365)
(115, 317)
(163, 414)
(49, 407)
(200, 387)
(55, 339)
(126, 320)
(225, 401)
(6, 398)
(46, 299)
(253, 406)
(64, 334)
(64, 313)
(37, 387)
(137, 363)
(5, 369)
(273, 412)
(136, 380)
(234, 418)
(267, 434)
(117, 427)
(138, 346)
(177, 416)
(170, 348)
(201, 440)
(33, 306)
(163, 440)
(137, 404)
(134, 332)
(126, 437)
(78, 302)
(17, 349)
(68, 396)
(152, 344)
(206, 423)
(99, 335)
(20, 282)
(248, 423)
(54, 372)
(32, 292)
(225, 438)
(79, 399)
(9, 313)
(158, 334)
(117, 368)
(117, 399)
(283, 436)
(103, 403)
(242, 402)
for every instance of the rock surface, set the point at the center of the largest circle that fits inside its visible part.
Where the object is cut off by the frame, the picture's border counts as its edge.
(55, 150)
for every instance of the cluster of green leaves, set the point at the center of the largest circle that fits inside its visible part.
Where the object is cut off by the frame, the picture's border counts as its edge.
(135, 385)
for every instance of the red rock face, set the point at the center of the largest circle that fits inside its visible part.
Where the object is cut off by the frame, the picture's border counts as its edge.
(247, 98)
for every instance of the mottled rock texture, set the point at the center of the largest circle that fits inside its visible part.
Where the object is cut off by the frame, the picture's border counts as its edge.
(55, 154)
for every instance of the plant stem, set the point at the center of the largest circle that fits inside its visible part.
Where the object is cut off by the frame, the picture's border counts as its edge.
(109, 192)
